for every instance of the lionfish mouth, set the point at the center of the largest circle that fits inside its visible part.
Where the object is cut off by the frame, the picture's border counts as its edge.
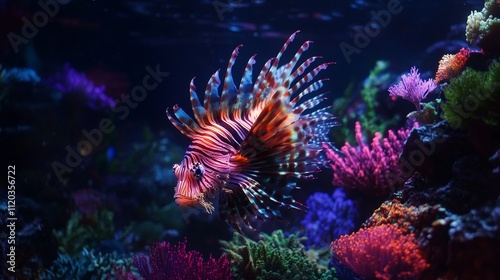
(185, 201)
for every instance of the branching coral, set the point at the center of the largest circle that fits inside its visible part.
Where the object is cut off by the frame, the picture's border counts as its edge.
(273, 257)
(350, 109)
(412, 88)
(18, 75)
(472, 98)
(374, 168)
(381, 252)
(174, 262)
(328, 217)
(89, 265)
(83, 232)
(70, 81)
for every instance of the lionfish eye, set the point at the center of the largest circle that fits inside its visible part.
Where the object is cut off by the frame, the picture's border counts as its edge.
(197, 170)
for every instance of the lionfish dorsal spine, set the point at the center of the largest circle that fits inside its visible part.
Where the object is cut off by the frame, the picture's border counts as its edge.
(286, 77)
(212, 100)
(199, 111)
(229, 89)
(245, 98)
(258, 97)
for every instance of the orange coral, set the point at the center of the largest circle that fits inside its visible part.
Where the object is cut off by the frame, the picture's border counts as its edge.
(409, 219)
(451, 65)
(381, 252)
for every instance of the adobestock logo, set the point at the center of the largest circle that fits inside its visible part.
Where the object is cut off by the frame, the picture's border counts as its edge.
(94, 137)
(222, 7)
(30, 28)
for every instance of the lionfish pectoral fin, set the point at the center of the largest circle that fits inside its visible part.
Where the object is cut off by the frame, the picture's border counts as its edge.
(209, 207)
(250, 198)
(233, 205)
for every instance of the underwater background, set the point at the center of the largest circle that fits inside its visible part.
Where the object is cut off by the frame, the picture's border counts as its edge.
(409, 188)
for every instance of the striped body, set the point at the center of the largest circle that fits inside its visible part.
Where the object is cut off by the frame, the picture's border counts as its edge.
(248, 141)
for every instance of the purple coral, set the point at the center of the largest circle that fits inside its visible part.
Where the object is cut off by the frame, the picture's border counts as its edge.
(175, 263)
(70, 81)
(412, 88)
(329, 217)
(374, 169)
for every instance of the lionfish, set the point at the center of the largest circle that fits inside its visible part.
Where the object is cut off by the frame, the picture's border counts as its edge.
(248, 141)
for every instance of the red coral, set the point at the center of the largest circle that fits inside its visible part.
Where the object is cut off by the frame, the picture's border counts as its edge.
(381, 252)
(175, 263)
(451, 65)
(374, 169)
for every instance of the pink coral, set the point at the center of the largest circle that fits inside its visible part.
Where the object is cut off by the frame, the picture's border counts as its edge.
(381, 252)
(366, 168)
(412, 88)
(175, 263)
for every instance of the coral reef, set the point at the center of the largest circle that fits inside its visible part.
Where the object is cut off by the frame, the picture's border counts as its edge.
(89, 265)
(483, 28)
(408, 219)
(465, 246)
(83, 232)
(373, 169)
(328, 217)
(71, 82)
(367, 108)
(460, 231)
(381, 252)
(451, 65)
(176, 263)
(273, 257)
(376, 81)
(18, 75)
(472, 99)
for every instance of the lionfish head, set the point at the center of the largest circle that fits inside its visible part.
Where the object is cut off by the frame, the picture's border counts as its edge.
(190, 191)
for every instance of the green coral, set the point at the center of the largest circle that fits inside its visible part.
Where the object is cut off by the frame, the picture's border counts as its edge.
(159, 219)
(83, 232)
(370, 120)
(273, 257)
(472, 98)
(89, 265)
(482, 24)
(428, 114)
